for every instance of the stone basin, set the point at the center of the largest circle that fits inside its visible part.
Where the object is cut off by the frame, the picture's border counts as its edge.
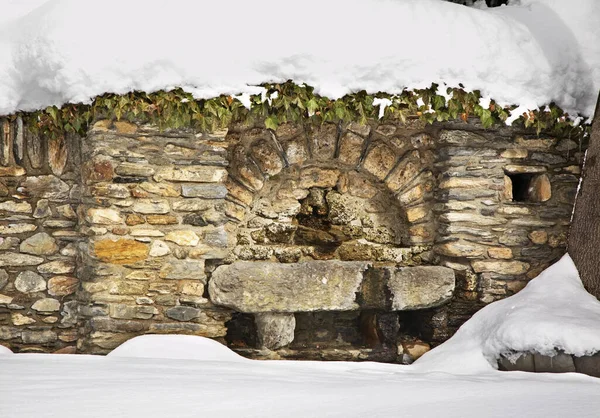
(255, 287)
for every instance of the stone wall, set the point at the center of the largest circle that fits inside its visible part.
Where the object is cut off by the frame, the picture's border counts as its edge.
(39, 196)
(132, 230)
(153, 209)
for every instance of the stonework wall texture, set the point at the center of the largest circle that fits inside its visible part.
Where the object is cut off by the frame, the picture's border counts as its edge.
(120, 233)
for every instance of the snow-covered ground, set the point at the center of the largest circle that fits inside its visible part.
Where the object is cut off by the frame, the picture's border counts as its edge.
(186, 376)
(530, 53)
(61, 386)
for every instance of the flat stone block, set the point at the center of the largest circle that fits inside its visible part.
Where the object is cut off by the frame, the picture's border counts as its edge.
(420, 287)
(296, 287)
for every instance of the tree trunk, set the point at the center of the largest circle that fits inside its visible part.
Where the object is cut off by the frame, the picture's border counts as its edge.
(584, 235)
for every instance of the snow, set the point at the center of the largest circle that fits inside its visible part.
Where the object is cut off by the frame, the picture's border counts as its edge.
(156, 375)
(37, 385)
(176, 347)
(59, 51)
(382, 103)
(553, 311)
(4, 350)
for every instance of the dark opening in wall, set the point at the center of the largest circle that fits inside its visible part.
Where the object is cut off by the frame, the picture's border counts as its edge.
(520, 186)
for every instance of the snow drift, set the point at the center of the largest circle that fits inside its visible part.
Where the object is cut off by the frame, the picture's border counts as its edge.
(188, 347)
(529, 54)
(553, 312)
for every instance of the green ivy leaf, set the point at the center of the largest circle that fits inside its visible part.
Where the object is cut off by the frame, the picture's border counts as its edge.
(271, 122)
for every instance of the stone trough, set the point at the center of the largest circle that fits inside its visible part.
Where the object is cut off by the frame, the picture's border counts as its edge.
(275, 291)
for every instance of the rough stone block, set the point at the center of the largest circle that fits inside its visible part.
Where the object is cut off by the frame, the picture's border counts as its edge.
(46, 305)
(465, 183)
(500, 252)
(57, 267)
(538, 237)
(540, 189)
(17, 259)
(192, 174)
(522, 363)
(524, 169)
(9, 333)
(3, 278)
(46, 187)
(192, 205)
(296, 150)
(267, 157)
(122, 311)
(183, 237)
(151, 207)
(17, 207)
(12, 171)
(122, 251)
(457, 137)
(501, 267)
(323, 141)
(405, 171)
(275, 330)
(134, 169)
(159, 189)
(19, 319)
(460, 249)
(104, 216)
(560, 363)
(39, 337)
(318, 177)
(62, 285)
(161, 220)
(183, 269)
(17, 228)
(351, 147)
(589, 365)
(29, 282)
(514, 153)
(206, 191)
(380, 160)
(472, 218)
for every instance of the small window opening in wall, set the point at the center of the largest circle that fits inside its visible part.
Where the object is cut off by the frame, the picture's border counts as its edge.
(521, 184)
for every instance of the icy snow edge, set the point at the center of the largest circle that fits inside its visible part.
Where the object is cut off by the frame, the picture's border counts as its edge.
(552, 312)
(217, 48)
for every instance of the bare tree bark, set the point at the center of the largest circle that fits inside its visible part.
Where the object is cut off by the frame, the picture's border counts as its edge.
(584, 235)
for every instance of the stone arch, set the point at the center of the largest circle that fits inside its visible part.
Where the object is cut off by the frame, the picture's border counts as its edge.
(360, 196)
(395, 161)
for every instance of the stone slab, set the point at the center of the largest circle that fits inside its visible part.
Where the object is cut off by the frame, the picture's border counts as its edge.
(253, 287)
(420, 287)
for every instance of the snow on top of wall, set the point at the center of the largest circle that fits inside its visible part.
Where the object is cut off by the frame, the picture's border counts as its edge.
(58, 51)
(552, 312)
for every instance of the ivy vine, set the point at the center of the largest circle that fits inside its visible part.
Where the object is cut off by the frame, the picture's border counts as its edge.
(290, 102)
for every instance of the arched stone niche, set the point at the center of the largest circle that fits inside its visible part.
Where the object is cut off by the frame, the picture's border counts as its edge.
(331, 221)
